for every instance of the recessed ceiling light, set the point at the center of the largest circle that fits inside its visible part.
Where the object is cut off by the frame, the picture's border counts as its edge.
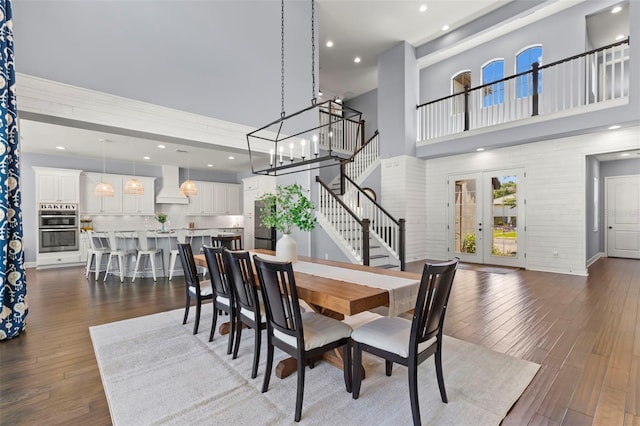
(319, 92)
(209, 165)
(61, 148)
(146, 158)
(445, 28)
(329, 43)
(232, 158)
(423, 8)
(356, 59)
(614, 127)
(619, 37)
(480, 149)
(625, 154)
(616, 9)
(338, 100)
(161, 146)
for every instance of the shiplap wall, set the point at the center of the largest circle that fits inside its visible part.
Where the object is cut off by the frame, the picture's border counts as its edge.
(555, 195)
(403, 195)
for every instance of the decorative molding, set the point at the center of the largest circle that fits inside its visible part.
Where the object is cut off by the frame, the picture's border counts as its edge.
(38, 98)
(595, 258)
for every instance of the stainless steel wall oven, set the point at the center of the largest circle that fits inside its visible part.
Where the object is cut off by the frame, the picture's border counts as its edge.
(58, 227)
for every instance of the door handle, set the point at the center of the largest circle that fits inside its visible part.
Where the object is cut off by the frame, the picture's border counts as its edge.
(611, 227)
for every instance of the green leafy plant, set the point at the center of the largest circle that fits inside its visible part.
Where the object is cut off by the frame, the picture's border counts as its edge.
(161, 217)
(469, 243)
(286, 208)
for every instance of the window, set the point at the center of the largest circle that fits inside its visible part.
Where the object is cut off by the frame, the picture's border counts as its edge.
(458, 82)
(524, 85)
(494, 94)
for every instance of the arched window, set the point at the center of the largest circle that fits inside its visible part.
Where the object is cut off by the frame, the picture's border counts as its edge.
(524, 59)
(458, 82)
(494, 94)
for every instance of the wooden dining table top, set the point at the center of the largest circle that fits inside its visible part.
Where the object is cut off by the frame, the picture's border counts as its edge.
(334, 295)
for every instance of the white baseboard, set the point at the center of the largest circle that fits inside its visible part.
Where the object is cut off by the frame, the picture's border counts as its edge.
(595, 258)
(29, 264)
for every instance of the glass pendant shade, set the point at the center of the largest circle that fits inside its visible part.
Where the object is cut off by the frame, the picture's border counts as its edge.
(188, 188)
(104, 189)
(134, 187)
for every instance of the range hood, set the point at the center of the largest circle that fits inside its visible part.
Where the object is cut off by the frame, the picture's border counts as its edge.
(170, 190)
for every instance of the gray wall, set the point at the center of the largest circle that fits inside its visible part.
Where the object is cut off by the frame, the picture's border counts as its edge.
(594, 238)
(367, 104)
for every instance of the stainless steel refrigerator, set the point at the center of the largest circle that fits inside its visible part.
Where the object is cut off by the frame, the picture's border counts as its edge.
(265, 238)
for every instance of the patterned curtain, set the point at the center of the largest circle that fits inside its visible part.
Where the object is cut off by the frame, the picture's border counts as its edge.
(13, 281)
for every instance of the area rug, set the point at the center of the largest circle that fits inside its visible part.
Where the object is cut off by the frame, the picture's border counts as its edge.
(156, 372)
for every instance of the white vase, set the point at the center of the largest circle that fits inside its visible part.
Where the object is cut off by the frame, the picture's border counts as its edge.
(287, 248)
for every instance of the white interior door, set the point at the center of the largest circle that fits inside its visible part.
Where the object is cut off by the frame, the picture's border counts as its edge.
(622, 216)
(486, 217)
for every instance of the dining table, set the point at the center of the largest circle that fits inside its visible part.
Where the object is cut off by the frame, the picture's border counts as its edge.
(330, 294)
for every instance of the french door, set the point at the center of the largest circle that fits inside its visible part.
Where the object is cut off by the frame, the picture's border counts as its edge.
(486, 217)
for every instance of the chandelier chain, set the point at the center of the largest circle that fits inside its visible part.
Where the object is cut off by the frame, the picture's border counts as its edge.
(282, 57)
(313, 54)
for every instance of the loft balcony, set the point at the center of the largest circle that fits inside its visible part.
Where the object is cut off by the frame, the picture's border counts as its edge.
(595, 79)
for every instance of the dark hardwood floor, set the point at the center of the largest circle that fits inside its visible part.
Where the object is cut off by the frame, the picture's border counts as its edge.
(584, 331)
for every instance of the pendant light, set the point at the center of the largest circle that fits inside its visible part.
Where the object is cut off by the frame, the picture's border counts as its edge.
(133, 185)
(188, 187)
(104, 189)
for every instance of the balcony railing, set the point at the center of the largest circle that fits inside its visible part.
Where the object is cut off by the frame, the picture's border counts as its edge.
(338, 134)
(593, 77)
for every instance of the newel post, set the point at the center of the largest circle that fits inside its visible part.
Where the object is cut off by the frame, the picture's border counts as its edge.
(534, 98)
(466, 108)
(402, 243)
(365, 242)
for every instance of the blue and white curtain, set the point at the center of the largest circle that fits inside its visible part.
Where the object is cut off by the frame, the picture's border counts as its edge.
(13, 281)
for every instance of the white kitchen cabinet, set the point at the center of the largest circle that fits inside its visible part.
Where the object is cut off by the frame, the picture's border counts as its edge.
(215, 198)
(139, 204)
(57, 185)
(90, 203)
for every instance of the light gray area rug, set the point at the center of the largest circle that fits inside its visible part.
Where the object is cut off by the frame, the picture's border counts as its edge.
(156, 372)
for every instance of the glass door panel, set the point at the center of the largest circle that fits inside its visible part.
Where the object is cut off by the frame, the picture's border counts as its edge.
(466, 218)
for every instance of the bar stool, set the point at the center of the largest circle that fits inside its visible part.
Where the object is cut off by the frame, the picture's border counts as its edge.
(96, 251)
(120, 254)
(180, 238)
(145, 250)
(231, 242)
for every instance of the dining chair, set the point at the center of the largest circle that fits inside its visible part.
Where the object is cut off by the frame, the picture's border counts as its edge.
(200, 290)
(96, 250)
(118, 251)
(180, 237)
(144, 249)
(249, 306)
(406, 342)
(303, 336)
(223, 294)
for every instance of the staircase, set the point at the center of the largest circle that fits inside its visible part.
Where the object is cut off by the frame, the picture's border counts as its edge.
(365, 232)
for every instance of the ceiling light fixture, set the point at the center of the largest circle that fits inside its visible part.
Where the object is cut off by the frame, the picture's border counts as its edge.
(133, 185)
(333, 136)
(423, 8)
(188, 187)
(104, 189)
(61, 148)
(625, 154)
(619, 37)
(445, 28)
(616, 9)
(614, 127)
(480, 149)
(356, 59)
(232, 157)
(146, 158)
(161, 146)
(320, 93)
(209, 165)
(329, 43)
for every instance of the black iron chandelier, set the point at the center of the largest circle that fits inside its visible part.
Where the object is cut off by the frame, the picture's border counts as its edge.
(292, 144)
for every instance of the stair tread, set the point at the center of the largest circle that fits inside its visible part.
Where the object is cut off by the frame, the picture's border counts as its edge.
(387, 266)
(378, 256)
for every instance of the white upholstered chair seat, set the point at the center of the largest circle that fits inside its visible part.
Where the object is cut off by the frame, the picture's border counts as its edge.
(389, 334)
(224, 300)
(205, 289)
(319, 330)
(251, 315)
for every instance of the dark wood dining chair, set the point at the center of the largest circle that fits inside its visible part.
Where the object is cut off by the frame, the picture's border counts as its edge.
(223, 300)
(231, 242)
(406, 342)
(200, 290)
(249, 307)
(303, 336)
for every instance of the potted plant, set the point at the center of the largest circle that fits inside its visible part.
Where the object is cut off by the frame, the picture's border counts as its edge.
(287, 208)
(161, 218)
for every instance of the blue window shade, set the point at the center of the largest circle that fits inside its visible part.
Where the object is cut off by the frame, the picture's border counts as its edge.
(494, 94)
(524, 84)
